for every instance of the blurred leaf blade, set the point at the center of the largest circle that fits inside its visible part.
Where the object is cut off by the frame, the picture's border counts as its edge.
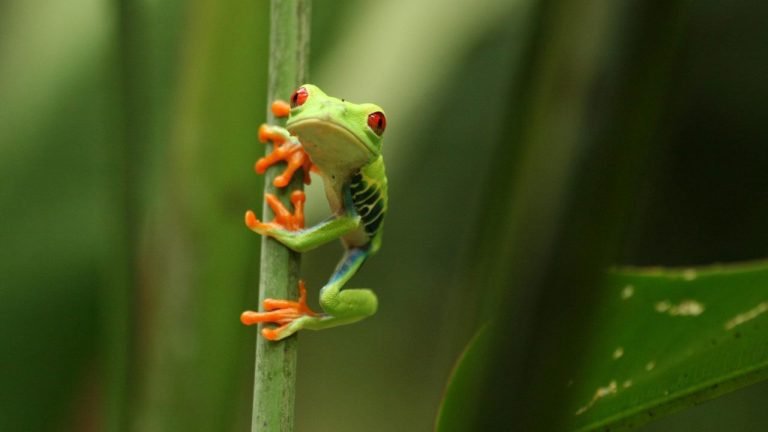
(664, 340)
(55, 115)
(197, 258)
(453, 414)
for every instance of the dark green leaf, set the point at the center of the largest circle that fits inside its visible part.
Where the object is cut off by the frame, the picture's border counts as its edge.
(663, 340)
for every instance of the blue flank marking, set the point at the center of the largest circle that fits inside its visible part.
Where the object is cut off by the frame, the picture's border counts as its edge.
(349, 203)
(351, 258)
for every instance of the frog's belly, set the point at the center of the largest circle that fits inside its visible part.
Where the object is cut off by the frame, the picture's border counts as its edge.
(356, 238)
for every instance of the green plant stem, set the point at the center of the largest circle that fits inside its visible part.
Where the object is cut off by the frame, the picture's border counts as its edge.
(275, 375)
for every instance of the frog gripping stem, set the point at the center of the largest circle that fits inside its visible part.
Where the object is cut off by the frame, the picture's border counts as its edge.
(286, 149)
(284, 219)
(345, 139)
(281, 312)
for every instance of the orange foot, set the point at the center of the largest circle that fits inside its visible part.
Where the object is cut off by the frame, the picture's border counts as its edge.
(286, 148)
(284, 219)
(281, 312)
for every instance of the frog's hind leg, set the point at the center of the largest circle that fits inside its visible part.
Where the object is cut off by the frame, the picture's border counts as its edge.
(349, 305)
(342, 307)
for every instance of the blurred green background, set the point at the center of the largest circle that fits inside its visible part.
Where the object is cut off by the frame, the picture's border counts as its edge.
(527, 140)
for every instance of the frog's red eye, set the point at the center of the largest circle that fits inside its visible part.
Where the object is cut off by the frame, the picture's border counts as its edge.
(377, 122)
(299, 97)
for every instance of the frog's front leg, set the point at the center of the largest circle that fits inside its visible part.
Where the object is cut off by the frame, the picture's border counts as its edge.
(286, 228)
(286, 147)
(340, 306)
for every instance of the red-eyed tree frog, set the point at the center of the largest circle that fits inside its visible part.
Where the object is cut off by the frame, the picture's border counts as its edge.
(341, 141)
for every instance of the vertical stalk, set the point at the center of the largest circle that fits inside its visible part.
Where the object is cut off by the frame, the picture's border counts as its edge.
(124, 158)
(275, 375)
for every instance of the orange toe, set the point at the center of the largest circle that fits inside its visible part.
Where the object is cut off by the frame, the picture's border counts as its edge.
(272, 334)
(264, 133)
(298, 197)
(280, 316)
(250, 220)
(281, 181)
(281, 108)
(273, 304)
(261, 166)
(250, 318)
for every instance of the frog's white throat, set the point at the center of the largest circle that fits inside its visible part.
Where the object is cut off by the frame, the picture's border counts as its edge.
(333, 148)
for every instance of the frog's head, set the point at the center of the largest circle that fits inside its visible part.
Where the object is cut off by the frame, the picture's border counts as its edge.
(335, 132)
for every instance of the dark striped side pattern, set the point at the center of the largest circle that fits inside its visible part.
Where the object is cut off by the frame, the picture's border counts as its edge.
(367, 200)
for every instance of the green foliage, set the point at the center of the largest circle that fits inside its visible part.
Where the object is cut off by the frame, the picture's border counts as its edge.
(665, 340)
(660, 341)
(457, 411)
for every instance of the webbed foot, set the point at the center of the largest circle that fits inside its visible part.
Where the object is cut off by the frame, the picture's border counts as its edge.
(287, 148)
(289, 315)
(284, 219)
